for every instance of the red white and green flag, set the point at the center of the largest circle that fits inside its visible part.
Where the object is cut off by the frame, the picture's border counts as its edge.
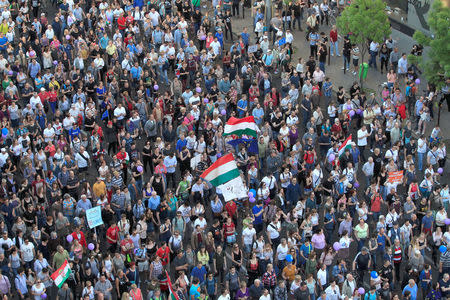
(173, 294)
(222, 171)
(61, 275)
(239, 127)
(347, 144)
(224, 174)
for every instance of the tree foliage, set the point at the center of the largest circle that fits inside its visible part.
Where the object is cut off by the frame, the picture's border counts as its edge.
(365, 20)
(436, 66)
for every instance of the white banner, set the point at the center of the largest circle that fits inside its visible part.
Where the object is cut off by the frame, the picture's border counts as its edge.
(252, 48)
(233, 189)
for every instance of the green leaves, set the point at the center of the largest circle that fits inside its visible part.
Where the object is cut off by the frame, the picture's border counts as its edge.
(365, 20)
(437, 64)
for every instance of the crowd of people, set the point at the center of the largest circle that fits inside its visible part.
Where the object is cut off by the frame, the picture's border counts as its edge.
(122, 105)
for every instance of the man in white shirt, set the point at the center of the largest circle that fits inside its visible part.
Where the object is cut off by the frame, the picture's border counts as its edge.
(273, 232)
(126, 63)
(421, 150)
(215, 45)
(373, 50)
(120, 112)
(322, 276)
(49, 133)
(5, 240)
(27, 252)
(248, 236)
(363, 134)
(154, 17)
(368, 168)
(82, 159)
(200, 221)
(3, 157)
(317, 176)
(333, 292)
(35, 100)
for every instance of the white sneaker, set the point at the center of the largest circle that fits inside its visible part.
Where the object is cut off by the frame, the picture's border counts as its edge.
(343, 68)
(339, 55)
(348, 69)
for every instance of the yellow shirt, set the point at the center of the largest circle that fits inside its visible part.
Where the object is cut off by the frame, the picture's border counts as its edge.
(203, 258)
(4, 27)
(362, 232)
(99, 188)
(289, 272)
(111, 49)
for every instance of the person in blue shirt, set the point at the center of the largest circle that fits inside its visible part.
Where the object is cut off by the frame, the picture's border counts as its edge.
(313, 39)
(381, 241)
(41, 119)
(293, 192)
(329, 224)
(219, 36)
(136, 72)
(154, 201)
(242, 106)
(411, 289)
(194, 291)
(182, 142)
(104, 41)
(305, 250)
(198, 272)
(327, 89)
(258, 114)
(3, 43)
(245, 37)
(138, 3)
(257, 211)
(74, 131)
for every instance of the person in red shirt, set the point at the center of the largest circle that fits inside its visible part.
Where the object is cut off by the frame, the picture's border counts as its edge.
(50, 149)
(79, 235)
(126, 245)
(163, 252)
(130, 19)
(44, 96)
(401, 110)
(122, 23)
(112, 236)
(52, 98)
(334, 41)
(229, 232)
(231, 208)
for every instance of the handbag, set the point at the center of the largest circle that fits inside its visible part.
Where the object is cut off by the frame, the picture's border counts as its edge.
(231, 239)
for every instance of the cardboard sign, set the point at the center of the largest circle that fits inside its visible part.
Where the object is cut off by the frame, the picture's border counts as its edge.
(252, 48)
(94, 217)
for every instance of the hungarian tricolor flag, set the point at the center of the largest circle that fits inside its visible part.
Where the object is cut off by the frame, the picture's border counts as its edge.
(222, 171)
(224, 174)
(242, 126)
(61, 275)
(172, 294)
(347, 144)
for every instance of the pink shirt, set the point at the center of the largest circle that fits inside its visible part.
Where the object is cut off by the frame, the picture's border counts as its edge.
(318, 241)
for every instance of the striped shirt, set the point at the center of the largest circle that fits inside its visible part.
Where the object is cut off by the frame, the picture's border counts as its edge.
(397, 254)
(445, 259)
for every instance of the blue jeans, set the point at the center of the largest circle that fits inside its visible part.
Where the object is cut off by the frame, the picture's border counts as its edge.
(163, 74)
(322, 66)
(420, 160)
(361, 243)
(299, 22)
(346, 62)
(373, 59)
(334, 46)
